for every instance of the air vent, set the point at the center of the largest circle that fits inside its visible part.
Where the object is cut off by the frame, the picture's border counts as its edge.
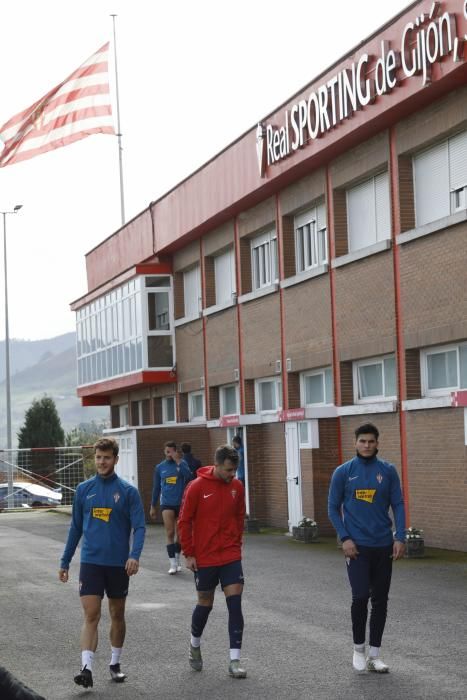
(288, 364)
(179, 387)
(236, 374)
(201, 382)
(278, 366)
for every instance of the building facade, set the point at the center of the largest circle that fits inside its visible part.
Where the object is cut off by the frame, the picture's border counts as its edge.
(310, 277)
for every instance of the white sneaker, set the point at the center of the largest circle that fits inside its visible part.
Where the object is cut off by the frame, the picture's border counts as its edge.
(376, 665)
(173, 569)
(179, 566)
(359, 661)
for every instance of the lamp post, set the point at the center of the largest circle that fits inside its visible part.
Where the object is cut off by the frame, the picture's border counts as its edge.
(7, 356)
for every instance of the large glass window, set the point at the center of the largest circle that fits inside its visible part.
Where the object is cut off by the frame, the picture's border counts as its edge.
(375, 379)
(264, 264)
(268, 395)
(126, 330)
(228, 396)
(444, 369)
(196, 406)
(310, 238)
(368, 212)
(317, 387)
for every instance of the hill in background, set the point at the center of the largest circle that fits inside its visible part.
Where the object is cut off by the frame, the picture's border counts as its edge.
(44, 367)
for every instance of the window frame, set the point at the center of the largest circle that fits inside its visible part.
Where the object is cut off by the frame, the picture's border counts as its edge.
(277, 395)
(313, 373)
(196, 419)
(378, 235)
(379, 360)
(222, 399)
(230, 251)
(271, 274)
(310, 217)
(435, 350)
(306, 444)
(164, 409)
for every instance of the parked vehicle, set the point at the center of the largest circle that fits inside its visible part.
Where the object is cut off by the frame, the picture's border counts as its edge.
(28, 495)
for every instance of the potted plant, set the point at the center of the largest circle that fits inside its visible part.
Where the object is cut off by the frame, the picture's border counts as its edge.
(414, 542)
(306, 530)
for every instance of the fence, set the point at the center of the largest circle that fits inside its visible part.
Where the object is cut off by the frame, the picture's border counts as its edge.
(45, 476)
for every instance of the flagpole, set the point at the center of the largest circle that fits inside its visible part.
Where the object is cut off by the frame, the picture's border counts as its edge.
(119, 131)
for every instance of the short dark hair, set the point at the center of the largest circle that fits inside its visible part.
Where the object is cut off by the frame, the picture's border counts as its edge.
(170, 443)
(224, 452)
(365, 429)
(237, 440)
(105, 444)
(186, 447)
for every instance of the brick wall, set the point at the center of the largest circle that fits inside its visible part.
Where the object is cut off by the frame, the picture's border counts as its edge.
(222, 346)
(406, 193)
(261, 336)
(267, 474)
(325, 460)
(433, 282)
(437, 461)
(190, 360)
(288, 240)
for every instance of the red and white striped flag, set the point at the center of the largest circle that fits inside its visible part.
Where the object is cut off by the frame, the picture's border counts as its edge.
(76, 108)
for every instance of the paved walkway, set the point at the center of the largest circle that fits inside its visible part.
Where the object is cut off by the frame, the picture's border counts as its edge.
(297, 637)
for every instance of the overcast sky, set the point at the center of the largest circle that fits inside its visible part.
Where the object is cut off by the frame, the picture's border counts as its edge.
(193, 77)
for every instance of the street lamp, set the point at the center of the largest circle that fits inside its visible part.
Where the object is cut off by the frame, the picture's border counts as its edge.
(7, 356)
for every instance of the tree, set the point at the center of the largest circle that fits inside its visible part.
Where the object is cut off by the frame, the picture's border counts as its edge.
(85, 434)
(42, 426)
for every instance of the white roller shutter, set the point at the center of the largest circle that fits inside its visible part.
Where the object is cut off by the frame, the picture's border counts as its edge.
(383, 207)
(361, 222)
(458, 161)
(431, 176)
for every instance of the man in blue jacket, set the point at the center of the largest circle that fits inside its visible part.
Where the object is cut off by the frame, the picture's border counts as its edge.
(106, 511)
(362, 491)
(170, 479)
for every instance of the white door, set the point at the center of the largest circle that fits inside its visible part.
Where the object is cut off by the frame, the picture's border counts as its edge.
(294, 476)
(127, 464)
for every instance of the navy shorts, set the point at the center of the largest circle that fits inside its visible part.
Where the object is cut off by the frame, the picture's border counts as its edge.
(97, 580)
(207, 578)
(176, 509)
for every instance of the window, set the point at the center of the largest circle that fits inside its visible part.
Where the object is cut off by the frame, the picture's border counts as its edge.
(196, 406)
(123, 415)
(310, 238)
(317, 387)
(268, 395)
(440, 179)
(264, 260)
(444, 369)
(224, 274)
(192, 292)
(228, 396)
(368, 212)
(304, 434)
(375, 379)
(168, 409)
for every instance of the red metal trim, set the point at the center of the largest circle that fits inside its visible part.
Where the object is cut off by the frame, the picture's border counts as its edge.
(205, 350)
(400, 348)
(129, 381)
(239, 316)
(280, 250)
(99, 400)
(459, 398)
(154, 269)
(336, 370)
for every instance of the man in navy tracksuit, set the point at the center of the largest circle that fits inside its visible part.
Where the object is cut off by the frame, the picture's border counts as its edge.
(107, 511)
(170, 479)
(362, 491)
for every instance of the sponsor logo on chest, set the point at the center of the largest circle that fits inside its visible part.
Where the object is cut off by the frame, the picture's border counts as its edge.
(102, 514)
(365, 495)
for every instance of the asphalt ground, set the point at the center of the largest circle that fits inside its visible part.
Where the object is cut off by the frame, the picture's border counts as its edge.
(297, 641)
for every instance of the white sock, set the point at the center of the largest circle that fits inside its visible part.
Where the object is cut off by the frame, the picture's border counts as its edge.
(195, 642)
(360, 648)
(235, 654)
(116, 654)
(173, 561)
(374, 652)
(87, 657)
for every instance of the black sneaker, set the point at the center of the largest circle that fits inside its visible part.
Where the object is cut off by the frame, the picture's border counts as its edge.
(117, 675)
(84, 678)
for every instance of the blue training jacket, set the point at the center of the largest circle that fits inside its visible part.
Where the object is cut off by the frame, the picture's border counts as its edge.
(169, 482)
(105, 512)
(360, 495)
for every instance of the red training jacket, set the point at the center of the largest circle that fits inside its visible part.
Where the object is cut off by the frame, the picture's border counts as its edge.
(210, 526)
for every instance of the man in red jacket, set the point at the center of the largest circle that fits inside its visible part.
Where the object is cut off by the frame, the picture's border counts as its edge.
(210, 528)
